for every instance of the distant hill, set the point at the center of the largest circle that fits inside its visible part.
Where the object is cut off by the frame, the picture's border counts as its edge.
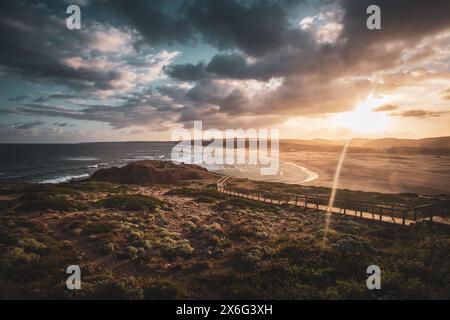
(437, 146)
(386, 143)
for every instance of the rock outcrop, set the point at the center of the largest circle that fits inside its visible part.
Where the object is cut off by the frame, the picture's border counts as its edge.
(152, 171)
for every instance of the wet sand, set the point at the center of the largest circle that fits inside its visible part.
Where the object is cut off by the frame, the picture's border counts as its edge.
(289, 172)
(378, 172)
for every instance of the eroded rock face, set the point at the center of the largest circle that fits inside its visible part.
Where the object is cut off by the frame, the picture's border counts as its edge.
(152, 171)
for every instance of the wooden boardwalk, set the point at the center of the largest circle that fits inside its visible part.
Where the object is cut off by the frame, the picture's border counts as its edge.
(397, 214)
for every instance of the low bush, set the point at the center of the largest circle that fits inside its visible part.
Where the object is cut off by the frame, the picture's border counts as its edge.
(128, 288)
(44, 202)
(132, 203)
(97, 228)
(162, 290)
(200, 195)
(5, 205)
(247, 260)
(171, 248)
(96, 186)
(242, 204)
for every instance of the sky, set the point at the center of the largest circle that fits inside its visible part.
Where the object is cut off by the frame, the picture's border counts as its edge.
(138, 70)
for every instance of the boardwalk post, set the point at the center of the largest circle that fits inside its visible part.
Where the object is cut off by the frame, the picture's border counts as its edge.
(399, 213)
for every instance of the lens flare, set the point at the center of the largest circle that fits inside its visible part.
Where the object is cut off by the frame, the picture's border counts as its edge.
(333, 192)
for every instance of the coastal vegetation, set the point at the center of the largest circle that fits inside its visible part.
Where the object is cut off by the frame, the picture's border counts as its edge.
(159, 241)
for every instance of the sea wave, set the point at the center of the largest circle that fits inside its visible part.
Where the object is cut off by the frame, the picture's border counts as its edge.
(102, 164)
(80, 158)
(65, 178)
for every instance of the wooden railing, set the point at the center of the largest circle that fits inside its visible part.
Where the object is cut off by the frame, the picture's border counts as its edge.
(392, 213)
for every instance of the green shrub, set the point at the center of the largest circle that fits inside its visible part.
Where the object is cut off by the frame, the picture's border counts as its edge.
(5, 205)
(96, 186)
(242, 204)
(201, 266)
(238, 231)
(210, 195)
(189, 225)
(128, 288)
(162, 290)
(352, 246)
(17, 256)
(50, 189)
(97, 228)
(171, 248)
(33, 246)
(44, 202)
(247, 260)
(205, 199)
(132, 203)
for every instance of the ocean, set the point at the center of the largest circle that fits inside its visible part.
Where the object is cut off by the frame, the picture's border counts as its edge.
(54, 163)
(378, 172)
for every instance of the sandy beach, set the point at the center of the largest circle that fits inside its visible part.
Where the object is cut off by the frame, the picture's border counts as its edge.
(378, 172)
(289, 172)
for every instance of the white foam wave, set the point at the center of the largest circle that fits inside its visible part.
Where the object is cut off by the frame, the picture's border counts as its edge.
(65, 178)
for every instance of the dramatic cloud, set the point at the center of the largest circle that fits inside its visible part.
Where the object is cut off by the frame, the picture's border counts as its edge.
(446, 94)
(156, 65)
(18, 98)
(385, 107)
(421, 113)
(28, 125)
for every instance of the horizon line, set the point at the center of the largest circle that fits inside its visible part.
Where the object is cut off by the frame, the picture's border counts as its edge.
(281, 139)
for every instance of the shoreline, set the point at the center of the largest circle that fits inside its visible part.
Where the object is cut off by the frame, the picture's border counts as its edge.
(369, 173)
(289, 172)
(383, 174)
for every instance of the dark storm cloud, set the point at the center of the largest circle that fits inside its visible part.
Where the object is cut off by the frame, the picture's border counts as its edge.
(309, 68)
(257, 40)
(209, 93)
(405, 20)
(160, 21)
(61, 96)
(146, 108)
(258, 28)
(279, 64)
(188, 72)
(34, 44)
(289, 51)
(255, 27)
(18, 98)
(28, 125)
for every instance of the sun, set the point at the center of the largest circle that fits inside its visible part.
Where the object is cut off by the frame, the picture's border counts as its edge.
(363, 119)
